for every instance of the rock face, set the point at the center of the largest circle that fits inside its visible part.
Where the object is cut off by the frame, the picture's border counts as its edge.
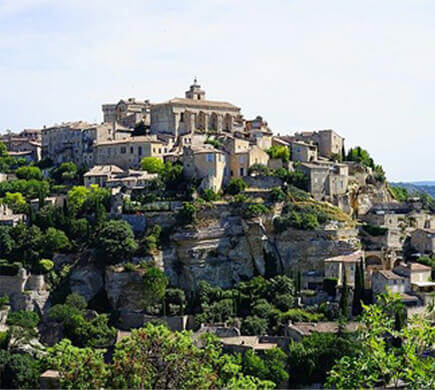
(86, 281)
(226, 248)
(124, 289)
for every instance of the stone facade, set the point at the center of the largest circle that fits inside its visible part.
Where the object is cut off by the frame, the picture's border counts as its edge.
(329, 143)
(335, 267)
(423, 240)
(193, 113)
(127, 112)
(301, 151)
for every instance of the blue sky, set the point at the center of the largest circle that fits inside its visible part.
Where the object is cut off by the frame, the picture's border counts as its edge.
(364, 68)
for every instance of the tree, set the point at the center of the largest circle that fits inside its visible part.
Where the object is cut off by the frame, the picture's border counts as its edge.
(19, 371)
(28, 173)
(152, 164)
(116, 241)
(186, 214)
(236, 186)
(66, 172)
(54, 241)
(253, 326)
(16, 202)
(344, 299)
(358, 290)
(279, 152)
(172, 175)
(140, 129)
(79, 368)
(154, 282)
(77, 301)
(378, 362)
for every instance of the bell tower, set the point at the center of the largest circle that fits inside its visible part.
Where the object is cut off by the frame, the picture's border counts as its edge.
(195, 92)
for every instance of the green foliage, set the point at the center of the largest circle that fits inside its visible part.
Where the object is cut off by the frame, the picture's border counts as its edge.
(300, 315)
(175, 301)
(78, 368)
(116, 241)
(311, 359)
(399, 193)
(279, 152)
(427, 260)
(4, 301)
(152, 164)
(28, 173)
(30, 189)
(187, 214)
(293, 178)
(83, 200)
(23, 318)
(361, 156)
(172, 176)
(77, 301)
(358, 293)
(253, 326)
(4, 339)
(45, 266)
(236, 186)
(374, 230)
(257, 209)
(277, 195)
(258, 170)
(54, 241)
(154, 282)
(19, 371)
(380, 361)
(216, 143)
(65, 173)
(16, 202)
(209, 195)
(9, 269)
(129, 267)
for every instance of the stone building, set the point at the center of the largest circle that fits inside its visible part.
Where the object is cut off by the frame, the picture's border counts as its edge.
(383, 280)
(99, 175)
(259, 133)
(206, 163)
(127, 112)
(193, 113)
(74, 141)
(326, 179)
(8, 218)
(27, 146)
(328, 142)
(423, 240)
(127, 153)
(335, 267)
(303, 152)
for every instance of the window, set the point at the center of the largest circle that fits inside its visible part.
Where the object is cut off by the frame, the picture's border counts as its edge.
(242, 171)
(165, 150)
(210, 157)
(160, 150)
(242, 159)
(139, 150)
(123, 150)
(131, 149)
(182, 117)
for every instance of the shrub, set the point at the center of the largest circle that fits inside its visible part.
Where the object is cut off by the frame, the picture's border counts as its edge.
(187, 214)
(300, 315)
(4, 301)
(28, 173)
(277, 195)
(253, 325)
(258, 169)
(217, 144)
(45, 266)
(77, 301)
(255, 210)
(240, 198)
(129, 267)
(236, 186)
(399, 193)
(281, 152)
(23, 318)
(209, 195)
(152, 164)
(4, 339)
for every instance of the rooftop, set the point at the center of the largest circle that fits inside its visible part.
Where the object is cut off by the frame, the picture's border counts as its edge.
(103, 170)
(199, 103)
(139, 139)
(353, 257)
(390, 275)
(248, 341)
(307, 328)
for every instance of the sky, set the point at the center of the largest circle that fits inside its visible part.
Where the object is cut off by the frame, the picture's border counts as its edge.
(364, 68)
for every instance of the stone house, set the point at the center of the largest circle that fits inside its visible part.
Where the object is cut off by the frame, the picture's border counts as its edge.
(259, 133)
(298, 330)
(335, 267)
(418, 274)
(241, 344)
(423, 240)
(99, 174)
(131, 179)
(57, 200)
(193, 113)
(383, 280)
(128, 153)
(326, 179)
(241, 161)
(387, 214)
(207, 163)
(127, 112)
(8, 218)
(329, 143)
(18, 145)
(304, 152)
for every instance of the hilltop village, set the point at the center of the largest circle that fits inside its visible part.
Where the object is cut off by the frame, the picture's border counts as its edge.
(185, 212)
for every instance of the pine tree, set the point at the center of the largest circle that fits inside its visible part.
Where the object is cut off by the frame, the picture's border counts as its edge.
(344, 299)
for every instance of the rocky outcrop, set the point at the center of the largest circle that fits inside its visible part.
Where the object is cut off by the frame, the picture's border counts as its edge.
(124, 289)
(86, 281)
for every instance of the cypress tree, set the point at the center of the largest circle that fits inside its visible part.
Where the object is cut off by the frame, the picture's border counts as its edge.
(357, 294)
(344, 299)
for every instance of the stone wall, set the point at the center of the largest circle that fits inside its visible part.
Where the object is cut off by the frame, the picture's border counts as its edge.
(262, 181)
(13, 284)
(134, 319)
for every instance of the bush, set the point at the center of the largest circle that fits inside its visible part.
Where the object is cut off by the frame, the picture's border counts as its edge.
(277, 195)
(45, 266)
(152, 164)
(300, 315)
(240, 198)
(4, 339)
(255, 210)
(258, 169)
(399, 193)
(77, 301)
(129, 267)
(187, 214)
(4, 301)
(281, 152)
(23, 318)
(236, 186)
(253, 326)
(20, 372)
(28, 173)
(209, 195)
